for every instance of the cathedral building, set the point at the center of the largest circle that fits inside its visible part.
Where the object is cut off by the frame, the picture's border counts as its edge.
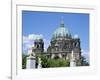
(62, 45)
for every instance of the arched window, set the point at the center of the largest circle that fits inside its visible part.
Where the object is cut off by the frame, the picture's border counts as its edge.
(38, 46)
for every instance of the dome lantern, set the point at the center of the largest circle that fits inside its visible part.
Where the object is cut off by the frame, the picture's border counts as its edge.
(62, 22)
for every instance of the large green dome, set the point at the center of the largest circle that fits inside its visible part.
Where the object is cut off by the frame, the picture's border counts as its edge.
(61, 32)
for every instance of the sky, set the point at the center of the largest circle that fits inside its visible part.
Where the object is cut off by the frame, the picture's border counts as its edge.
(43, 24)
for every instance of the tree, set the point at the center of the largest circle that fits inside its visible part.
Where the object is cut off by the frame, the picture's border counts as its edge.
(84, 62)
(58, 63)
(44, 60)
(47, 62)
(24, 61)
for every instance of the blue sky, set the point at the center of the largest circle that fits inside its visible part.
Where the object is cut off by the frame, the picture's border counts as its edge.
(45, 23)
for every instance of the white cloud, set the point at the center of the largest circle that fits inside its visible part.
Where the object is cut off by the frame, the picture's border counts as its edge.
(86, 55)
(25, 39)
(28, 41)
(34, 36)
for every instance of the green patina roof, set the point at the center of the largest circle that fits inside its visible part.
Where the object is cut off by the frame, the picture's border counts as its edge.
(61, 32)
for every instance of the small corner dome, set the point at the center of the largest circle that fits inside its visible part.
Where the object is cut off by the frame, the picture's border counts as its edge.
(76, 36)
(38, 38)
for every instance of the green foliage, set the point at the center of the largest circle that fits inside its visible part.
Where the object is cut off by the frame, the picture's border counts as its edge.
(24, 61)
(48, 62)
(44, 60)
(58, 63)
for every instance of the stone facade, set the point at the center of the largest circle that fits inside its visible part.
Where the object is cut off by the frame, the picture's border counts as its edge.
(61, 45)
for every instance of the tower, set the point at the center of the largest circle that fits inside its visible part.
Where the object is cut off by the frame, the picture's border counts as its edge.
(38, 46)
(77, 49)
